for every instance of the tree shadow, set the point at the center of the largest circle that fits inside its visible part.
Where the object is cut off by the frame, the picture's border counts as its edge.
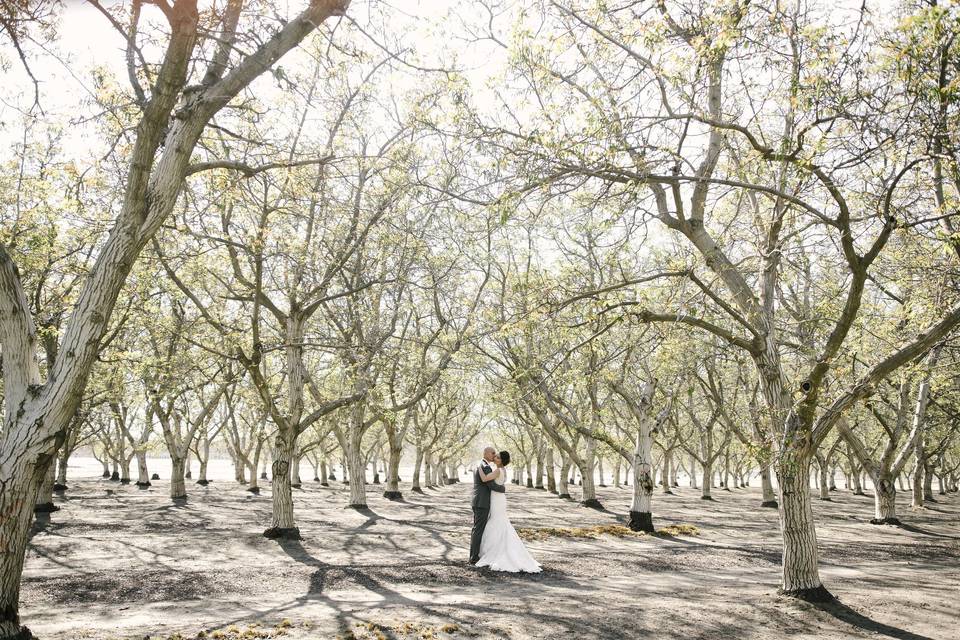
(915, 529)
(845, 614)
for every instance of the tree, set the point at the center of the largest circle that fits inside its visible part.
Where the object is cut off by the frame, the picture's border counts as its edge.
(172, 118)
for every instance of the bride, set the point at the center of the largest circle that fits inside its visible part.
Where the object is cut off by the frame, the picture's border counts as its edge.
(501, 548)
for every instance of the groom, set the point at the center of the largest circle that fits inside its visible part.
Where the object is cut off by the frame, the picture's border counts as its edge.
(481, 501)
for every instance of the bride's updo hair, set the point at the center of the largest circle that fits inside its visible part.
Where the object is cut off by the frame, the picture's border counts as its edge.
(504, 458)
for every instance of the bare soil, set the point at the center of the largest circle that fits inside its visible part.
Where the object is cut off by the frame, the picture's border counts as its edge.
(120, 562)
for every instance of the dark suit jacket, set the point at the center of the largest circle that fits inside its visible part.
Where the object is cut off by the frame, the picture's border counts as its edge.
(481, 489)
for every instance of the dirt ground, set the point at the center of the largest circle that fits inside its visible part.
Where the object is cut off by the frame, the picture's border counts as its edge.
(118, 562)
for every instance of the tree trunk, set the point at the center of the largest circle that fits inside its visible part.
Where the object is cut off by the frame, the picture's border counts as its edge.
(417, 464)
(917, 487)
(641, 516)
(43, 502)
(529, 475)
(885, 501)
(707, 481)
(693, 473)
(143, 474)
(254, 486)
(283, 525)
(538, 481)
(564, 488)
(928, 484)
(392, 490)
(178, 488)
(16, 503)
(588, 493)
(358, 473)
(551, 471)
(188, 474)
(766, 485)
(323, 473)
(600, 471)
(824, 480)
(801, 577)
(665, 476)
(62, 464)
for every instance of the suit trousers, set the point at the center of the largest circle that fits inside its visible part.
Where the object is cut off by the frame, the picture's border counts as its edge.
(479, 524)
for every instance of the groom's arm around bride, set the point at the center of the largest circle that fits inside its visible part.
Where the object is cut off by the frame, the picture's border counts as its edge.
(481, 501)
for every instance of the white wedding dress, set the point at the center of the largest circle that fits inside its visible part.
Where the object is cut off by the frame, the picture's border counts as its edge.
(501, 548)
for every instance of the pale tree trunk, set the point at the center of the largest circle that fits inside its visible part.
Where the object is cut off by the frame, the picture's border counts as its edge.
(143, 474)
(188, 474)
(417, 464)
(600, 472)
(707, 480)
(564, 486)
(204, 457)
(551, 471)
(824, 482)
(588, 493)
(106, 467)
(324, 475)
(693, 473)
(529, 475)
(295, 481)
(62, 464)
(254, 486)
(766, 486)
(427, 470)
(665, 476)
(616, 472)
